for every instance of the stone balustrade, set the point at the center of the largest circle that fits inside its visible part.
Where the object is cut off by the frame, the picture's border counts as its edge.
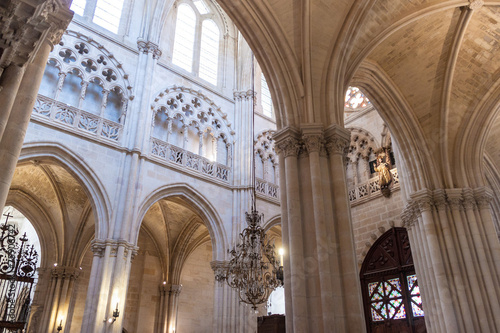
(62, 115)
(371, 188)
(266, 188)
(178, 156)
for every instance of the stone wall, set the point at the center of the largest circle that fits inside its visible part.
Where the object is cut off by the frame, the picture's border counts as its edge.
(196, 300)
(372, 218)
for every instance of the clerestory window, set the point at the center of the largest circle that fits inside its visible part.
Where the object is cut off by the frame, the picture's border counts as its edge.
(197, 41)
(266, 101)
(105, 13)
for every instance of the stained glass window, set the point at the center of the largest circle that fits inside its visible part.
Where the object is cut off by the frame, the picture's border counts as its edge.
(355, 99)
(184, 37)
(416, 299)
(209, 52)
(386, 300)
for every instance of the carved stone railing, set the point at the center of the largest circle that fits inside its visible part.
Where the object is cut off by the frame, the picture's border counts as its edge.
(371, 188)
(63, 115)
(194, 162)
(266, 188)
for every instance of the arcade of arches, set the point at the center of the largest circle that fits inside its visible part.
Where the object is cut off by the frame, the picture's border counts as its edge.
(127, 127)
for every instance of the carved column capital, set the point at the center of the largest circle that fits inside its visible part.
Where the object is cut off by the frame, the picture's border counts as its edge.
(65, 272)
(337, 140)
(440, 200)
(455, 200)
(220, 268)
(312, 137)
(313, 143)
(149, 47)
(98, 246)
(26, 27)
(287, 143)
(469, 201)
(175, 289)
(483, 196)
(423, 200)
(244, 95)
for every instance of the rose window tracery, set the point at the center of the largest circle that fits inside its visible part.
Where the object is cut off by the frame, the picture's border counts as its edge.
(354, 99)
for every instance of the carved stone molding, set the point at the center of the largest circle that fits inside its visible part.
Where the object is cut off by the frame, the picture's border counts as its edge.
(476, 4)
(149, 47)
(65, 272)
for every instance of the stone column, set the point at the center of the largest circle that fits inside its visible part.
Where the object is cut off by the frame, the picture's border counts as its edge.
(457, 259)
(108, 285)
(28, 35)
(9, 85)
(19, 117)
(321, 283)
(60, 83)
(173, 306)
(59, 295)
(161, 326)
(83, 92)
(200, 143)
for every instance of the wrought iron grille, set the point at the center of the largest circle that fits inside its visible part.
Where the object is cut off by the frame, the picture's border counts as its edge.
(18, 262)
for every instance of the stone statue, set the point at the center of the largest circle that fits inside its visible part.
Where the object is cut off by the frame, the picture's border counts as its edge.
(383, 168)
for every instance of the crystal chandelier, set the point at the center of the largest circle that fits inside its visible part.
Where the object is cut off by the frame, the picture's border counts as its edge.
(253, 269)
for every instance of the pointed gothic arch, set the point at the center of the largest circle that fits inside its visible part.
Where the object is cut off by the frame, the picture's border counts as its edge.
(199, 204)
(81, 171)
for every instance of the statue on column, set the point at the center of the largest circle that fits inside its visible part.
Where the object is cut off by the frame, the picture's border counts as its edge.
(383, 168)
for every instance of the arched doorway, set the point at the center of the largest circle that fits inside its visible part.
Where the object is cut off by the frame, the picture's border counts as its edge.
(391, 295)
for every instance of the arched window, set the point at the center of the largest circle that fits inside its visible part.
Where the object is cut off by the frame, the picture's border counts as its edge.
(197, 41)
(391, 294)
(209, 51)
(267, 103)
(184, 37)
(105, 13)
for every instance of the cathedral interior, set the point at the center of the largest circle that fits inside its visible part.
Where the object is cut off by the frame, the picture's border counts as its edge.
(136, 134)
